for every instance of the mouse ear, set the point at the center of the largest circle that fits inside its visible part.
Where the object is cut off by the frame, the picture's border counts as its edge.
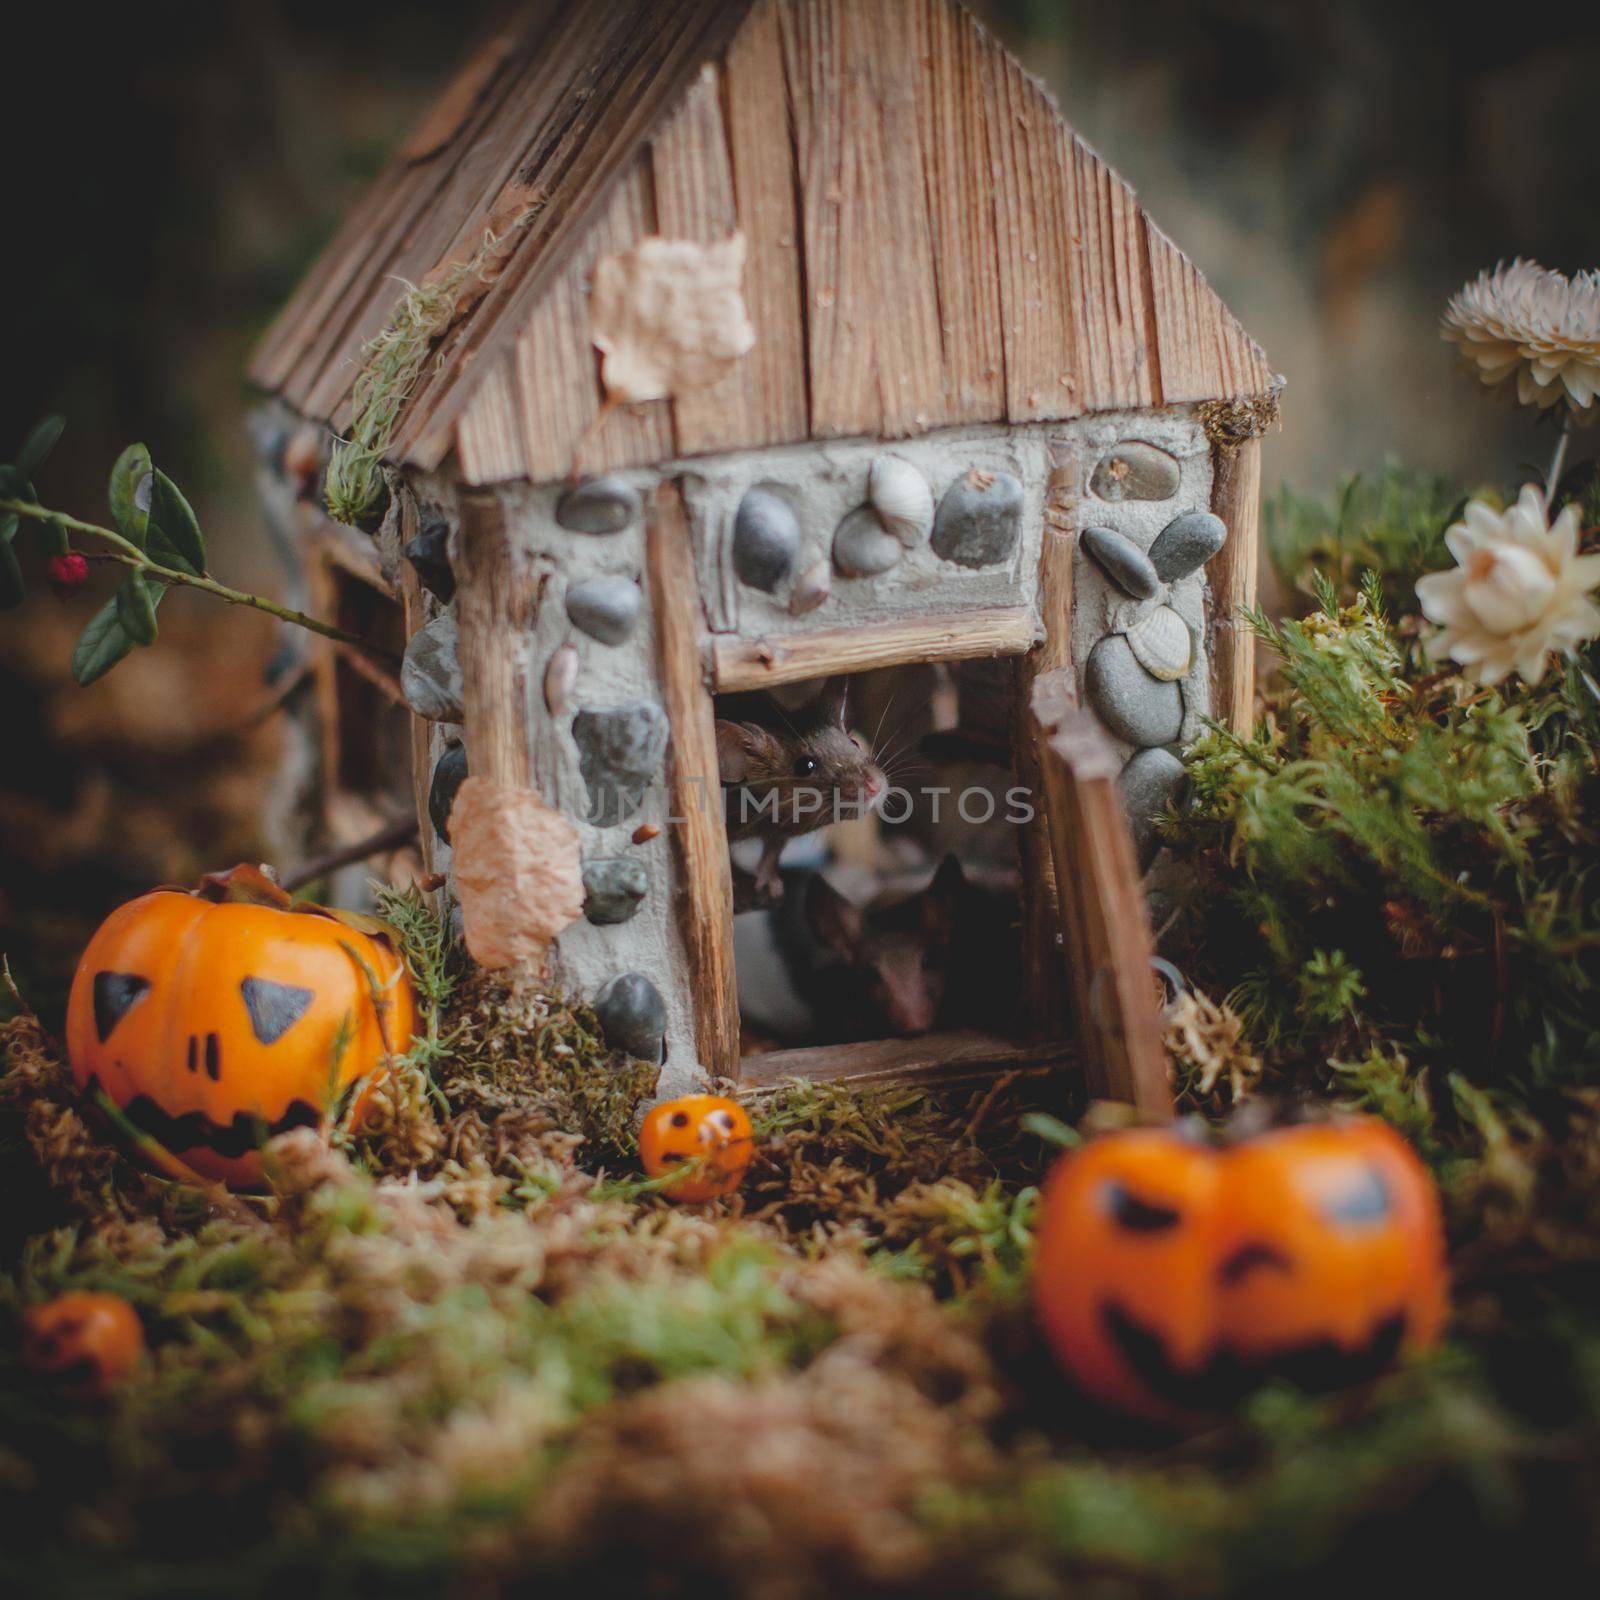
(834, 922)
(739, 749)
(829, 704)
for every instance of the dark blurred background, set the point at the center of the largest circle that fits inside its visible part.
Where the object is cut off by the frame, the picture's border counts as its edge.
(1336, 167)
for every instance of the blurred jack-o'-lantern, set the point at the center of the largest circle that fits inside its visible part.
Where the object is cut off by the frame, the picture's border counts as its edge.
(219, 1018)
(1171, 1277)
(706, 1135)
(84, 1343)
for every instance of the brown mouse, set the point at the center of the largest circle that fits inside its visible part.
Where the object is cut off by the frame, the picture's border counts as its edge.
(785, 773)
(944, 956)
(898, 949)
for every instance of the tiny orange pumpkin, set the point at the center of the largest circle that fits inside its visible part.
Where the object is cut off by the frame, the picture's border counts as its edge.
(1172, 1276)
(86, 1343)
(706, 1135)
(215, 1019)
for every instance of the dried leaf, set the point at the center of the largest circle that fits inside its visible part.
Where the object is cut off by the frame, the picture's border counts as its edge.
(516, 869)
(669, 315)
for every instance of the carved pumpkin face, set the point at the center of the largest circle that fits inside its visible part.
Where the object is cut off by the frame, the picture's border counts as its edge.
(86, 1344)
(1172, 1277)
(216, 1025)
(712, 1132)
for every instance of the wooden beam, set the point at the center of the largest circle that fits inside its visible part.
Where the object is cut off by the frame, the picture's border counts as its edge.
(1104, 923)
(738, 663)
(699, 835)
(1236, 498)
(1043, 975)
(497, 601)
(944, 1057)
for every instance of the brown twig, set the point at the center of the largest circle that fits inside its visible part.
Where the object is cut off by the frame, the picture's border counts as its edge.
(391, 836)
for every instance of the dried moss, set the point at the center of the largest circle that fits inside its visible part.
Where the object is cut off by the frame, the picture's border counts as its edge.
(461, 1348)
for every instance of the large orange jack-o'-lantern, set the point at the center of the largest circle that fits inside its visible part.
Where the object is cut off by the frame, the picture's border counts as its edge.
(215, 1019)
(1171, 1276)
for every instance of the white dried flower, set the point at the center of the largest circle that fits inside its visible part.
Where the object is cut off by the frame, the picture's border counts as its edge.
(1526, 324)
(1518, 593)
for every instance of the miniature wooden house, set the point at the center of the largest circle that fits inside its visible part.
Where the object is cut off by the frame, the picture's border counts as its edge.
(783, 339)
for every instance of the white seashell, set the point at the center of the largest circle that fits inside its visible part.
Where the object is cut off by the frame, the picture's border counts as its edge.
(901, 497)
(560, 679)
(1162, 644)
(811, 588)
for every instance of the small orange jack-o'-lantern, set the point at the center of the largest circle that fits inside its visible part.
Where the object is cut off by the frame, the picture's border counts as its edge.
(219, 1018)
(1171, 1277)
(705, 1134)
(86, 1344)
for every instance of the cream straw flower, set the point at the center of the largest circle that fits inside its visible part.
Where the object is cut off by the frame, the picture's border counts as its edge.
(1527, 325)
(1519, 591)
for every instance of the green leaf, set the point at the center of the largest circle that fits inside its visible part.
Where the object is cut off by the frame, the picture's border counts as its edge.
(104, 642)
(100, 646)
(53, 539)
(174, 529)
(128, 476)
(38, 445)
(136, 609)
(11, 586)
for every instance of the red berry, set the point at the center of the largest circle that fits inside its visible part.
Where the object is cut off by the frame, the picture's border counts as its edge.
(66, 574)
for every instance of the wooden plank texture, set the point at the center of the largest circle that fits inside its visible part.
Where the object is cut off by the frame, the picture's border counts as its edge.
(497, 601)
(741, 663)
(928, 241)
(694, 200)
(953, 127)
(1044, 975)
(1236, 498)
(703, 877)
(944, 1057)
(1103, 920)
(765, 186)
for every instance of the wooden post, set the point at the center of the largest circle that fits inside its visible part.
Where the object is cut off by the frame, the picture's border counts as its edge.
(497, 601)
(699, 834)
(1236, 498)
(1044, 977)
(1103, 919)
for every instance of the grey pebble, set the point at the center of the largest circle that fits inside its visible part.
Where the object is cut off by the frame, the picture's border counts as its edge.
(1186, 544)
(430, 674)
(1135, 471)
(1122, 561)
(429, 555)
(1150, 783)
(614, 888)
(619, 750)
(979, 520)
(1133, 705)
(605, 608)
(600, 505)
(449, 773)
(633, 1016)
(766, 539)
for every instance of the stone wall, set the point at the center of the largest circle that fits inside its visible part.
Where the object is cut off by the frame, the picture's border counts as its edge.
(818, 539)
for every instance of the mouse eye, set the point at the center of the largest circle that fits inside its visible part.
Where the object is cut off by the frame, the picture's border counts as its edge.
(805, 766)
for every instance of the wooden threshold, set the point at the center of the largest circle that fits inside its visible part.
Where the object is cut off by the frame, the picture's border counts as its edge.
(940, 1057)
(738, 663)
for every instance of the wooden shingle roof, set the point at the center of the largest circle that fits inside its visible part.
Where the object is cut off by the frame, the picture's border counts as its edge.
(929, 243)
